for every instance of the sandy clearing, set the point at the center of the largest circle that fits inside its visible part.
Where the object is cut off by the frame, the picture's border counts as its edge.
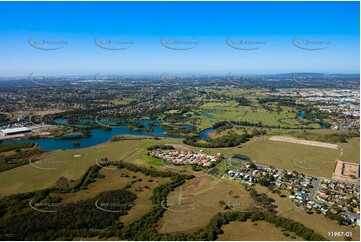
(303, 142)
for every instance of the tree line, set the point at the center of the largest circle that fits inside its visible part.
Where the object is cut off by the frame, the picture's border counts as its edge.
(21, 154)
(229, 140)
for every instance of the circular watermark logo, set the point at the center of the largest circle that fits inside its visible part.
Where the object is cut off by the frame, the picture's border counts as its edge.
(306, 163)
(46, 81)
(299, 207)
(47, 44)
(170, 167)
(179, 205)
(243, 206)
(9, 235)
(301, 81)
(108, 123)
(178, 80)
(42, 163)
(113, 44)
(178, 44)
(113, 80)
(36, 119)
(245, 122)
(310, 44)
(243, 80)
(44, 207)
(113, 206)
(244, 44)
(104, 163)
(234, 163)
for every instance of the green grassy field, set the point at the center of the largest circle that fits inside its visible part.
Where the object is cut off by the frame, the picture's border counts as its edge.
(26, 178)
(351, 150)
(118, 179)
(283, 155)
(200, 202)
(286, 117)
(251, 231)
(230, 111)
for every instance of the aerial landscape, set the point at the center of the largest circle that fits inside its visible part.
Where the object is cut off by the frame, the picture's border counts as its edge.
(180, 121)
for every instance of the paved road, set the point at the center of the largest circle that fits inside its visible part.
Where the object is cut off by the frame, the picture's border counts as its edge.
(315, 188)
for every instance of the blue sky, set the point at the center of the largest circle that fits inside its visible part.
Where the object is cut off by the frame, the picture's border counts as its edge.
(334, 26)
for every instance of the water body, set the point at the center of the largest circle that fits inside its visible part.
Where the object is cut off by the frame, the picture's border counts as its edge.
(98, 136)
(302, 114)
(210, 113)
(101, 136)
(204, 134)
(241, 157)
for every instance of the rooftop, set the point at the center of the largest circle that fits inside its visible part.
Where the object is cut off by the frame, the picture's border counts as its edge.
(15, 130)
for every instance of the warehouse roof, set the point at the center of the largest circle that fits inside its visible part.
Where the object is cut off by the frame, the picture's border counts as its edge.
(15, 130)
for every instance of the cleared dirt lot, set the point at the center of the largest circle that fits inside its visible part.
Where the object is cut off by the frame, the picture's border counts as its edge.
(347, 171)
(303, 142)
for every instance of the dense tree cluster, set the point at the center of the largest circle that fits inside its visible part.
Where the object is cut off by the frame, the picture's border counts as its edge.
(179, 129)
(15, 146)
(230, 124)
(242, 101)
(162, 147)
(134, 125)
(68, 219)
(151, 172)
(291, 102)
(230, 140)
(16, 154)
(4, 118)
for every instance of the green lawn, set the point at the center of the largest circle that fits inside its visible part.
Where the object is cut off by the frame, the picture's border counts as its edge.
(282, 155)
(26, 178)
(259, 230)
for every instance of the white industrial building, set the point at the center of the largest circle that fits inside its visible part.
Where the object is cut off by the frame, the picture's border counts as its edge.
(12, 131)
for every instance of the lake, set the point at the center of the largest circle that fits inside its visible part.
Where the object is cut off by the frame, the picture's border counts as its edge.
(98, 136)
(204, 134)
